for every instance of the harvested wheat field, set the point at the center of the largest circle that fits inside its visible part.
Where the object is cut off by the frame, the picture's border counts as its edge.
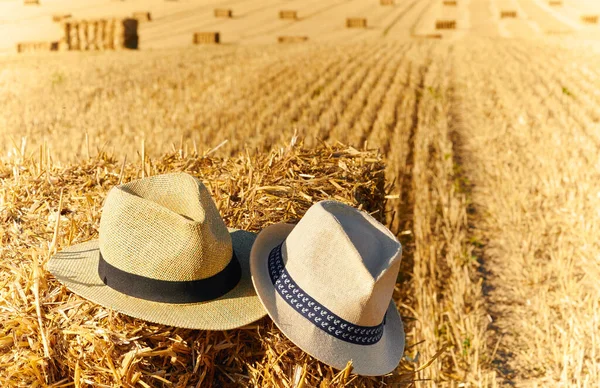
(476, 143)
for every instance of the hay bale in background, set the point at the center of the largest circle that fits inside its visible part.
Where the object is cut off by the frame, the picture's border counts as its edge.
(109, 34)
(356, 23)
(100, 34)
(84, 44)
(223, 13)
(86, 343)
(93, 35)
(386, 2)
(288, 15)
(65, 41)
(31, 2)
(130, 33)
(142, 16)
(118, 35)
(31, 47)
(23, 47)
(71, 29)
(555, 3)
(57, 18)
(445, 24)
(450, 3)
(589, 19)
(206, 38)
(292, 39)
(509, 14)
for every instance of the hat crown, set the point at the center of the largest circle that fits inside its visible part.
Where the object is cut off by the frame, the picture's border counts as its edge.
(165, 227)
(344, 259)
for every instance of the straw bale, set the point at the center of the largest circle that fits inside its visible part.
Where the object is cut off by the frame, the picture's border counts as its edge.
(25, 47)
(292, 39)
(31, 2)
(93, 35)
(223, 13)
(83, 35)
(589, 19)
(555, 3)
(445, 24)
(118, 34)
(510, 14)
(109, 34)
(288, 14)
(206, 38)
(50, 336)
(356, 23)
(450, 3)
(386, 2)
(130, 35)
(100, 34)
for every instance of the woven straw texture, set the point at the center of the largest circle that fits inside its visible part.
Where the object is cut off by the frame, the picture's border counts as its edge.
(348, 262)
(333, 237)
(168, 228)
(154, 225)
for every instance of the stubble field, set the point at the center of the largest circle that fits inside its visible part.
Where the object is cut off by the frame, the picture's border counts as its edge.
(491, 151)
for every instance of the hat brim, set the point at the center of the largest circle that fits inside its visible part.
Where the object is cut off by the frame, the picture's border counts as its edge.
(367, 360)
(77, 268)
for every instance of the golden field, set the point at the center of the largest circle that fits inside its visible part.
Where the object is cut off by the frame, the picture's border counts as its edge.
(488, 134)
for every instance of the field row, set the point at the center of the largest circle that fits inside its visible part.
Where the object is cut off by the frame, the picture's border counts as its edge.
(338, 93)
(533, 160)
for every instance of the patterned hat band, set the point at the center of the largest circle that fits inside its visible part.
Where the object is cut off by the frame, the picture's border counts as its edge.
(315, 312)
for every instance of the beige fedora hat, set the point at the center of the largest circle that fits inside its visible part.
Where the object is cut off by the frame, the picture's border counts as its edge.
(165, 255)
(327, 284)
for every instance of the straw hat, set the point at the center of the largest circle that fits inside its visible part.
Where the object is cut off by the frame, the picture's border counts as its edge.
(327, 283)
(165, 255)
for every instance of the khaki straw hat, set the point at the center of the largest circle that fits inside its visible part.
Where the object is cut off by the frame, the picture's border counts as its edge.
(327, 284)
(165, 255)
